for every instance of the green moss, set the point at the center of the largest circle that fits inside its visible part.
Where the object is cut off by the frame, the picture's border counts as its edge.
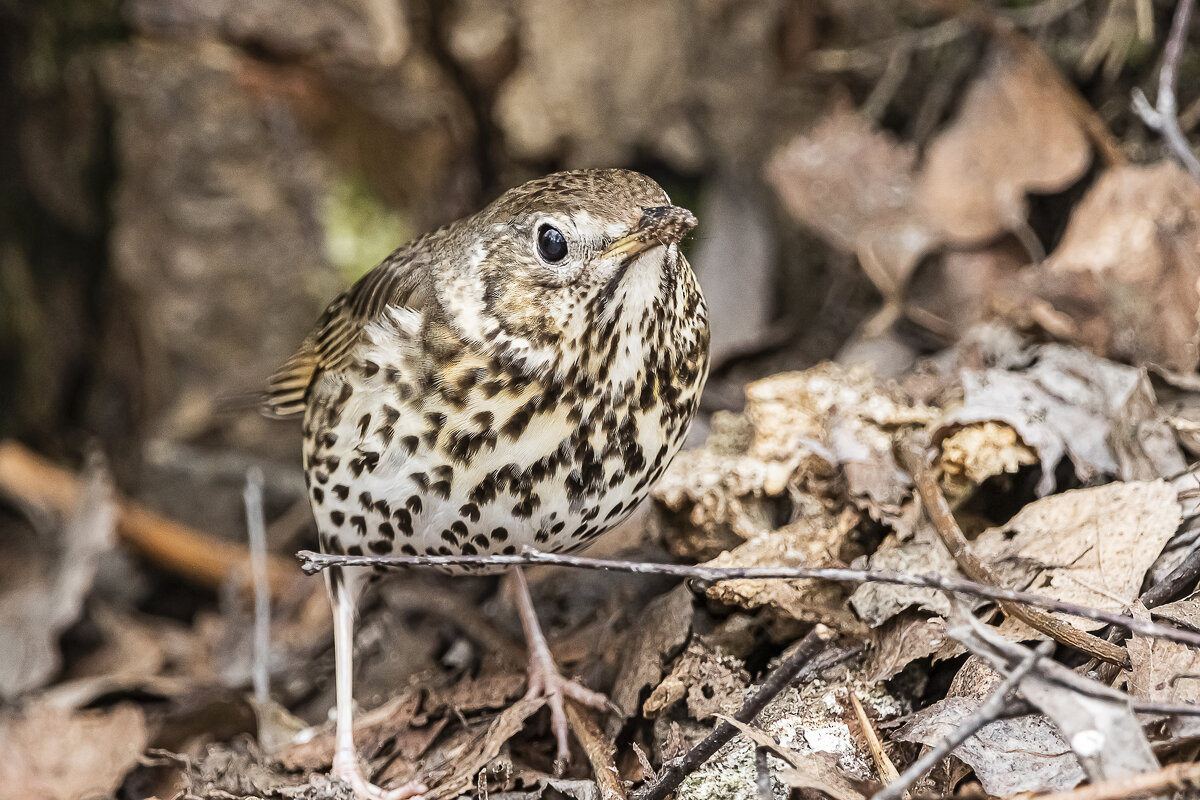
(360, 230)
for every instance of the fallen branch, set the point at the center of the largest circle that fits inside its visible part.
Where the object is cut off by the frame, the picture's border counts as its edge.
(1173, 778)
(597, 748)
(312, 563)
(784, 674)
(990, 711)
(1164, 116)
(912, 458)
(32, 480)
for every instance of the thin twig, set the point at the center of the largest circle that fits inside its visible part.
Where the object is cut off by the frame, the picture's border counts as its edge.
(991, 710)
(256, 528)
(1176, 777)
(673, 774)
(883, 764)
(597, 748)
(1164, 117)
(912, 458)
(1176, 584)
(312, 563)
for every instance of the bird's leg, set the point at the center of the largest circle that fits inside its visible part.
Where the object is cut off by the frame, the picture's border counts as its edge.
(345, 759)
(544, 678)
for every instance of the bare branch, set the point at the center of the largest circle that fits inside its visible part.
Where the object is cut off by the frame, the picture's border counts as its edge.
(312, 563)
(991, 710)
(256, 527)
(1164, 117)
(784, 674)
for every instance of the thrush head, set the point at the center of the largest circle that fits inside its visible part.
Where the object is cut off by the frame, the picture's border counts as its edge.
(552, 262)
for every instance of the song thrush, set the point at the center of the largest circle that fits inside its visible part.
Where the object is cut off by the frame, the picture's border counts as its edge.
(518, 377)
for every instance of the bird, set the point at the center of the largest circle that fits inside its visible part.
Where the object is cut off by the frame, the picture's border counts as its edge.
(517, 378)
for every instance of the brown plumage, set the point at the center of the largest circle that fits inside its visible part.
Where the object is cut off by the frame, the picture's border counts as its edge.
(518, 377)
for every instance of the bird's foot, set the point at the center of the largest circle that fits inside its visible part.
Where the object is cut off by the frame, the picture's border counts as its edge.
(546, 681)
(345, 768)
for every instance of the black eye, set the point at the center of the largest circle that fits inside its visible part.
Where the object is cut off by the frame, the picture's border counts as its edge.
(551, 244)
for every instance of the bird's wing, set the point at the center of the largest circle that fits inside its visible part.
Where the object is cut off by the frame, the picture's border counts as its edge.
(402, 280)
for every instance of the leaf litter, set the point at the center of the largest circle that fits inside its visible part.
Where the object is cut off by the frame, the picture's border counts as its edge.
(1060, 401)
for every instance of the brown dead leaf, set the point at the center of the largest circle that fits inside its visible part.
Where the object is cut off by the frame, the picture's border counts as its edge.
(1089, 546)
(659, 634)
(820, 772)
(815, 539)
(1166, 672)
(1068, 402)
(876, 603)
(451, 771)
(45, 595)
(853, 184)
(56, 754)
(950, 293)
(1094, 719)
(800, 430)
(903, 639)
(1185, 612)
(712, 683)
(1009, 756)
(1126, 277)
(1013, 136)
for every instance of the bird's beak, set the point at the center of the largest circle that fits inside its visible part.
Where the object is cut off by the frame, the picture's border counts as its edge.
(659, 226)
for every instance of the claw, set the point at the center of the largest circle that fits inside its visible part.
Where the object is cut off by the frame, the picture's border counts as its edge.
(346, 769)
(544, 678)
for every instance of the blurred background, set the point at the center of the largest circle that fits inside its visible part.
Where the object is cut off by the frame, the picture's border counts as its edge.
(184, 185)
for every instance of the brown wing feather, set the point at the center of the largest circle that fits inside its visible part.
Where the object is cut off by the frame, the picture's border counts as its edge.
(401, 280)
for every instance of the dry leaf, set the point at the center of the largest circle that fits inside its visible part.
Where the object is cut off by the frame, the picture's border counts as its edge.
(803, 427)
(1099, 725)
(820, 772)
(1013, 136)
(1126, 277)
(1185, 613)
(1009, 756)
(1091, 547)
(1068, 402)
(1166, 672)
(712, 684)
(876, 603)
(46, 594)
(903, 639)
(55, 754)
(657, 636)
(853, 184)
(452, 772)
(816, 539)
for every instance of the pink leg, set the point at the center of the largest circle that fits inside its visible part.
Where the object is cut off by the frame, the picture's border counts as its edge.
(544, 678)
(345, 760)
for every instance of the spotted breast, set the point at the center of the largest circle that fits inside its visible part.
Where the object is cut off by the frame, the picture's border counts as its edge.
(520, 377)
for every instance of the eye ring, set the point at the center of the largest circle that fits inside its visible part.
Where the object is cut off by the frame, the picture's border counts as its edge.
(551, 244)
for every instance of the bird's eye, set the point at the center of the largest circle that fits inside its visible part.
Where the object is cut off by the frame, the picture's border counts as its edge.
(551, 244)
